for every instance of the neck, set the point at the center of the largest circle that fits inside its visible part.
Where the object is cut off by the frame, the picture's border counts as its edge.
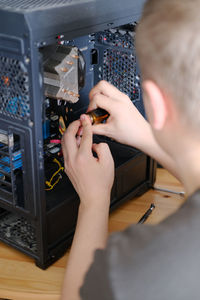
(188, 166)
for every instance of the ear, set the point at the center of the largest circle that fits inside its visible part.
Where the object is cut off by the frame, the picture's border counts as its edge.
(155, 105)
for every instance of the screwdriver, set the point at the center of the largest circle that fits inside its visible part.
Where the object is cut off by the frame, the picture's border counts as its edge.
(98, 115)
(147, 214)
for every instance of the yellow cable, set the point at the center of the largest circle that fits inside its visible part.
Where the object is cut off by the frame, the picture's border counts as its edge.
(52, 185)
(49, 183)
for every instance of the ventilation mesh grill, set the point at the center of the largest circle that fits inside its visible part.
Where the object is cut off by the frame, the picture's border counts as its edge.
(119, 62)
(116, 39)
(19, 231)
(33, 4)
(117, 69)
(14, 89)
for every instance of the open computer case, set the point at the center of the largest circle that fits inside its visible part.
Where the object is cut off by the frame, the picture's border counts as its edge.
(51, 54)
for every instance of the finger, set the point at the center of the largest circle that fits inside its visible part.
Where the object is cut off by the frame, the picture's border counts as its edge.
(87, 137)
(101, 101)
(101, 129)
(105, 88)
(69, 138)
(80, 131)
(94, 145)
(78, 140)
(103, 152)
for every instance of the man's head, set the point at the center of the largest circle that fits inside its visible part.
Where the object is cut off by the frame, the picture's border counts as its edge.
(168, 49)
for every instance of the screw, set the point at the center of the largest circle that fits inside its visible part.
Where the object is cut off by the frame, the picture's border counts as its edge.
(30, 123)
(27, 60)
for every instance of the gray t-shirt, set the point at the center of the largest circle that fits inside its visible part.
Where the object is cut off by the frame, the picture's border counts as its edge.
(150, 262)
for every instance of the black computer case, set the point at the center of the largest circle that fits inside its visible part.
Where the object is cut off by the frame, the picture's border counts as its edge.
(38, 205)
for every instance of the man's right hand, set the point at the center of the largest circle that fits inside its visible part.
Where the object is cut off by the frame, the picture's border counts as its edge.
(125, 124)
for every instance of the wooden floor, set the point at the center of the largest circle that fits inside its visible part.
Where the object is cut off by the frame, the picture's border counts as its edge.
(165, 203)
(20, 279)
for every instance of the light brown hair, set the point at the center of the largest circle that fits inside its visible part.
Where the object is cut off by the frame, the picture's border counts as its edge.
(168, 49)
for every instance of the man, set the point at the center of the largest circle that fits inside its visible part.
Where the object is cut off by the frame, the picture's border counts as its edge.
(144, 262)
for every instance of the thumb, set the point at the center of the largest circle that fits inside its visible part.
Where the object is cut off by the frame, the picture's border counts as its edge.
(87, 137)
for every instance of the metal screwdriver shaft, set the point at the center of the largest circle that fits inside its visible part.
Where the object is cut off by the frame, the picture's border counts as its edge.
(147, 214)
